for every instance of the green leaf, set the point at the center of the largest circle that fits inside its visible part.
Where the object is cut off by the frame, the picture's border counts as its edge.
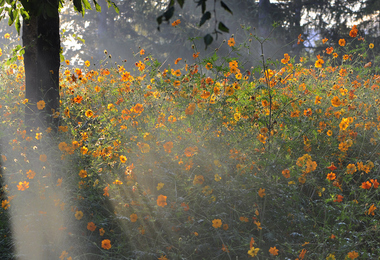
(169, 13)
(18, 24)
(208, 40)
(204, 18)
(24, 14)
(225, 7)
(78, 6)
(223, 28)
(111, 3)
(181, 2)
(159, 19)
(86, 4)
(11, 17)
(2, 2)
(98, 8)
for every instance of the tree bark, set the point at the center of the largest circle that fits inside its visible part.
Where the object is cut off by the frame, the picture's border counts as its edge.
(32, 91)
(48, 62)
(42, 60)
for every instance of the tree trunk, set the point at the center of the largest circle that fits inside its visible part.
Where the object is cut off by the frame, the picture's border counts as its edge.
(42, 60)
(32, 91)
(48, 62)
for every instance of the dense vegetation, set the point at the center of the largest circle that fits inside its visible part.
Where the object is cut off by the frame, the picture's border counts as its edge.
(198, 159)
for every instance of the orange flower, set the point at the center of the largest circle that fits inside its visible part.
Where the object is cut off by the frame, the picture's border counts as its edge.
(195, 55)
(261, 192)
(205, 94)
(43, 157)
(217, 223)
(342, 42)
(331, 176)
(300, 39)
(286, 59)
(335, 101)
(5, 204)
(225, 226)
(62, 146)
(190, 151)
(106, 193)
(185, 206)
(352, 255)
(138, 108)
(286, 173)
(133, 217)
(351, 168)
(176, 22)
(366, 185)
(243, 219)
(78, 99)
(106, 244)
(273, 251)
(339, 198)
(307, 112)
(344, 124)
(371, 210)
(89, 113)
(231, 42)
(177, 83)
(161, 201)
(332, 167)
(177, 60)
(251, 243)
(324, 40)
(302, 254)
(30, 174)
(83, 173)
(198, 179)
(168, 146)
(225, 248)
(302, 179)
(78, 215)
(101, 232)
(261, 138)
(329, 50)
(354, 31)
(375, 183)
(23, 185)
(123, 159)
(319, 63)
(91, 226)
(40, 104)
(190, 109)
(367, 65)
(83, 150)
